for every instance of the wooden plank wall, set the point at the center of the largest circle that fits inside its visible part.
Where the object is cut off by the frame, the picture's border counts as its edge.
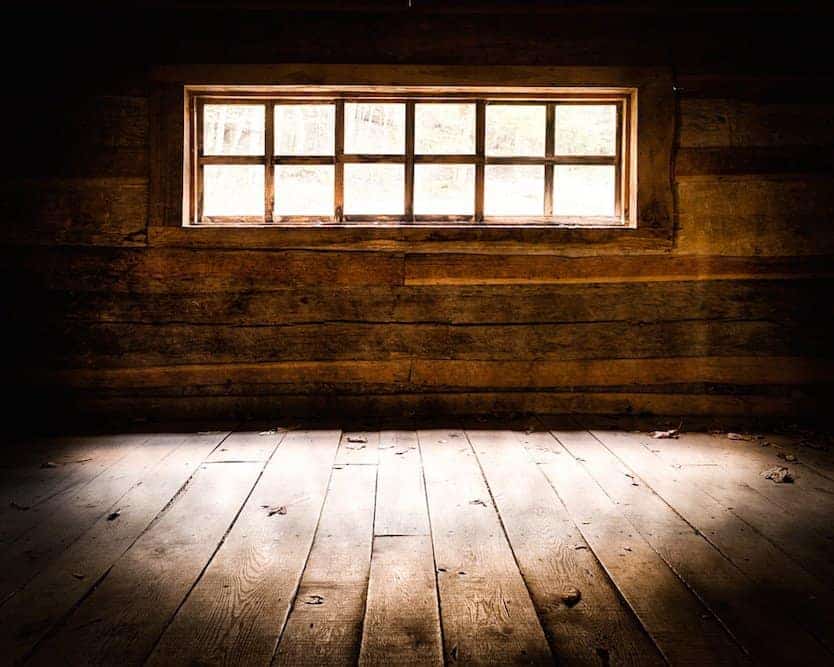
(734, 320)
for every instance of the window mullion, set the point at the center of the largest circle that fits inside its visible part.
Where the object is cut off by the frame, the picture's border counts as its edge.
(409, 162)
(269, 161)
(480, 151)
(198, 195)
(339, 174)
(549, 151)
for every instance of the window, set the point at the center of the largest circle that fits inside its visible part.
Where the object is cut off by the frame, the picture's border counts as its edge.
(412, 156)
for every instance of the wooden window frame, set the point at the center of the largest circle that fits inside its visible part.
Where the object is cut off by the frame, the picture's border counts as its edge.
(624, 101)
(650, 225)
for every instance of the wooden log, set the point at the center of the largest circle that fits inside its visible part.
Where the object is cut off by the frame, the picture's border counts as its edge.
(109, 345)
(454, 304)
(88, 211)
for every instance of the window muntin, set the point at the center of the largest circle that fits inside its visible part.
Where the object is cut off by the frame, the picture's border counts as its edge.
(367, 158)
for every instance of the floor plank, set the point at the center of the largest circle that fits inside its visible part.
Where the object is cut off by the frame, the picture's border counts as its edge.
(553, 557)
(400, 493)
(402, 622)
(72, 513)
(752, 553)
(682, 628)
(486, 612)
(121, 620)
(33, 611)
(732, 596)
(31, 490)
(325, 624)
(236, 611)
(812, 549)
(246, 446)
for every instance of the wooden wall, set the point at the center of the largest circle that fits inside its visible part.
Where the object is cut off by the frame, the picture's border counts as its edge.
(734, 320)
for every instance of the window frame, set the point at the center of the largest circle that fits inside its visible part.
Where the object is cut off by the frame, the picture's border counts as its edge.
(624, 160)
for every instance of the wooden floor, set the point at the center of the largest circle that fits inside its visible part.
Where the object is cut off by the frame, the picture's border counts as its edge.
(534, 543)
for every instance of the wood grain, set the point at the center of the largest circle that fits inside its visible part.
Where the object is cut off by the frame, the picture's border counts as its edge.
(123, 617)
(325, 624)
(402, 625)
(682, 628)
(235, 613)
(27, 617)
(477, 575)
(553, 557)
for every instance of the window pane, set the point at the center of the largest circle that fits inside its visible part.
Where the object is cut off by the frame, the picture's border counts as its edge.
(233, 129)
(585, 129)
(444, 189)
(376, 129)
(303, 189)
(444, 129)
(514, 190)
(583, 190)
(304, 129)
(516, 129)
(374, 189)
(233, 190)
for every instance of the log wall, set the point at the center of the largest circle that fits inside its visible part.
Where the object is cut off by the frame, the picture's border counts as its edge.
(734, 319)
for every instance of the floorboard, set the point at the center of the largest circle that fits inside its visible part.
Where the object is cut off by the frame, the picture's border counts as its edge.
(486, 611)
(683, 628)
(33, 611)
(740, 603)
(121, 620)
(554, 558)
(325, 624)
(235, 613)
(530, 541)
(402, 622)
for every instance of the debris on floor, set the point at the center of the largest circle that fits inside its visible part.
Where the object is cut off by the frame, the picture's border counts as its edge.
(571, 596)
(114, 515)
(740, 436)
(632, 478)
(314, 599)
(18, 506)
(778, 475)
(78, 575)
(478, 501)
(49, 464)
(354, 447)
(357, 438)
(661, 435)
(272, 510)
(89, 458)
(790, 457)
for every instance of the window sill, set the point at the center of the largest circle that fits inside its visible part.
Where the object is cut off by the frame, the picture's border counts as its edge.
(564, 239)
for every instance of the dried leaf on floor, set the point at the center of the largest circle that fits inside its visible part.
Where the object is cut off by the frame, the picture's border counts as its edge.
(778, 475)
(272, 510)
(662, 435)
(314, 599)
(571, 596)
